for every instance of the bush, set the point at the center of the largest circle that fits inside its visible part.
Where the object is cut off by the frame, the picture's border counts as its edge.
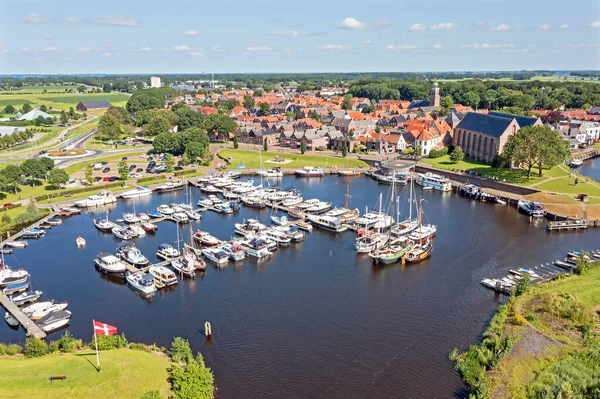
(180, 350)
(35, 347)
(13, 349)
(438, 153)
(184, 172)
(106, 342)
(566, 306)
(151, 395)
(520, 320)
(192, 380)
(53, 347)
(2, 349)
(149, 178)
(139, 347)
(67, 343)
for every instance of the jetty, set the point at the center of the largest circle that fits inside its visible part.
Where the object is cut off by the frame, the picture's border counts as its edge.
(572, 224)
(28, 324)
(55, 212)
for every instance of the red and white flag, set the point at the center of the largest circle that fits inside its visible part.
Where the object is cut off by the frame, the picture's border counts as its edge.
(104, 329)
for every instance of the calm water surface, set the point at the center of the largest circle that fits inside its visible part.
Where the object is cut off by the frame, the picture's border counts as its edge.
(316, 320)
(590, 168)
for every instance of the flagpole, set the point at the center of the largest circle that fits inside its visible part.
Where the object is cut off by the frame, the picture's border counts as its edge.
(96, 341)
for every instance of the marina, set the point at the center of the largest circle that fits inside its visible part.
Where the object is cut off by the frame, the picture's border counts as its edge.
(302, 276)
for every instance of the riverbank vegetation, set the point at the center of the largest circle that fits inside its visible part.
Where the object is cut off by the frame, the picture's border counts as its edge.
(544, 343)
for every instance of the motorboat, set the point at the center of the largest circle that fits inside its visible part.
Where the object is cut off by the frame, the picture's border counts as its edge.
(131, 218)
(397, 178)
(15, 288)
(164, 210)
(253, 202)
(405, 227)
(304, 225)
(327, 223)
(205, 203)
(206, 239)
(110, 265)
(10, 319)
(103, 225)
(216, 255)
(291, 201)
(17, 244)
(231, 196)
(308, 204)
(436, 182)
(137, 192)
(533, 209)
(309, 171)
(54, 222)
(132, 255)
(234, 250)
(26, 297)
(270, 173)
(278, 236)
(223, 207)
(142, 282)
(370, 242)
(180, 217)
(10, 276)
(149, 227)
(170, 186)
(137, 231)
(293, 232)
(209, 188)
(193, 215)
(80, 242)
(38, 310)
(102, 198)
(232, 175)
(256, 247)
(574, 163)
(250, 226)
(124, 233)
(279, 220)
(143, 217)
(55, 320)
(184, 268)
(177, 208)
(319, 208)
(33, 234)
(163, 277)
(423, 233)
(374, 220)
(167, 252)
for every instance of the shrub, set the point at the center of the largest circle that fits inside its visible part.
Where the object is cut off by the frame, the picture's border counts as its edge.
(67, 343)
(10, 207)
(53, 347)
(180, 350)
(139, 347)
(106, 342)
(184, 172)
(192, 380)
(13, 349)
(35, 347)
(149, 178)
(520, 320)
(438, 153)
(566, 306)
(2, 349)
(151, 395)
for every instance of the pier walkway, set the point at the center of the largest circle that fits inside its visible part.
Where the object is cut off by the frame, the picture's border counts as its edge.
(28, 324)
(55, 212)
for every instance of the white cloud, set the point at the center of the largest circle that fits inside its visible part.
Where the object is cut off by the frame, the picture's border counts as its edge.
(258, 48)
(401, 47)
(366, 42)
(437, 46)
(352, 23)
(520, 50)
(27, 49)
(287, 50)
(486, 46)
(190, 32)
(48, 37)
(196, 53)
(50, 49)
(74, 20)
(37, 19)
(117, 21)
(106, 54)
(145, 49)
(595, 24)
(217, 49)
(544, 27)
(37, 58)
(564, 26)
(84, 49)
(332, 47)
(500, 28)
(4, 50)
(444, 26)
(417, 27)
(181, 48)
(289, 33)
(247, 53)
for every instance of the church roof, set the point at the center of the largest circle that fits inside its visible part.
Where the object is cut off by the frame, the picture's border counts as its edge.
(523, 121)
(489, 125)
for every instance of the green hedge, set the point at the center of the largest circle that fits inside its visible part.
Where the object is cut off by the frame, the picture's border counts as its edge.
(10, 207)
(438, 153)
(149, 178)
(184, 172)
(60, 193)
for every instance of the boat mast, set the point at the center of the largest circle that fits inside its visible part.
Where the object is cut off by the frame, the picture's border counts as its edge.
(410, 200)
(347, 192)
(420, 224)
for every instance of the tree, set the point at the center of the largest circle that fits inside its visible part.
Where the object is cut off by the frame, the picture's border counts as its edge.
(346, 103)
(185, 159)
(351, 133)
(418, 150)
(192, 380)
(258, 93)
(447, 102)
(43, 108)
(457, 155)
(9, 109)
(219, 124)
(81, 88)
(264, 109)
(48, 163)
(89, 174)
(194, 150)
(188, 118)
(522, 285)
(249, 102)
(377, 129)
(344, 149)
(472, 99)
(552, 117)
(164, 143)
(159, 124)
(235, 142)
(119, 113)
(170, 162)
(26, 108)
(302, 146)
(64, 118)
(33, 168)
(122, 169)
(107, 87)
(12, 176)
(109, 128)
(180, 105)
(58, 177)
(583, 263)
(265, 144)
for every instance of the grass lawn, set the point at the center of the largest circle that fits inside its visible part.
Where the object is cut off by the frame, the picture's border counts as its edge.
(124, 373)
(566, 185)
(133, 158)
(252, 161)
(515, 176)
(83, 128)
(60, 101)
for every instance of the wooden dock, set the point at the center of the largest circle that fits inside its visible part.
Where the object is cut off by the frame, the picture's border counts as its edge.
(568, 225)
(35, 225)
(28, 324)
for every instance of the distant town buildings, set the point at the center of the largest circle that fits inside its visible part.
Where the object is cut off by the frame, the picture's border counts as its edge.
(155, 81)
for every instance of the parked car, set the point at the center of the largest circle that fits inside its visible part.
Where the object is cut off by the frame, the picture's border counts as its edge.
(103, 163)
(135, 175)
(106, 178)
(139, 170)
(106, 170)
(124, 159)
(97, 166)
(113, 178)
(97, 178)
(178, 167)
(7, 205)
(43, 152)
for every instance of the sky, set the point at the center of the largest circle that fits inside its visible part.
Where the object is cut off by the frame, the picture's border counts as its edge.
(253, 36)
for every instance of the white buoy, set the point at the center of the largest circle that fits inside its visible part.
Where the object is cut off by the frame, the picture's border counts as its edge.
(207, 329)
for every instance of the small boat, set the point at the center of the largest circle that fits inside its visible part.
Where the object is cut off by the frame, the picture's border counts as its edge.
(45, 226)
(33, 233)
(6, 251)
(297, 213)
(234, 250)
(193, 215)
(180, 217)
(163, 277)
(9, 276)
(11, 320)
(110, 265)
(38, 310)
(55, 320)
(309, 171)
(15, 288)
(429, 188)
(327, 223)
(142, 282)
(184, 268)
(531, 208)
(131, 218)
(54, 222)
(132, 255)
(278, 236)
(419, 252)
(149, 227)
(209, 188)
(103, 225)
(232, 175)
(370, 242)
(167, 252)
(223, 207)
(270, 173)
(137, 192)
(170, 186)
(392, 252)
(234, 205)
(80, 242)
(143, 217)
(249, 226)
(293, 232)
(216, 255)
(206, 239)
(256, 247)
(434, 181)
(574, 163)
(231, 196)
(319, 208)
(165, 210)
(124, 233)
(292, 201)
(102, 198)
(205, 203)
(71, 210)
(17, 244)
(137, 231)
(427, 231)
(304, 226)
(214, 199)
(26, 297)
(279, 220)
(193, 257)
(253, 202)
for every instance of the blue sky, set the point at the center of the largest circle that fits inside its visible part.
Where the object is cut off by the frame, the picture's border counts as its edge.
(132, 36)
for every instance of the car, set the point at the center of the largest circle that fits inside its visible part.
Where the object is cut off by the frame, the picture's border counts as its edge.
(103, 163)
(106, 178)
(150, 158)
(135, 175)
(151, 163)
(8, 204)
(124, 159)
(178, 167)
(139, 170)
(106, 170)
(43, 152)
(113, 178)
(97, 178)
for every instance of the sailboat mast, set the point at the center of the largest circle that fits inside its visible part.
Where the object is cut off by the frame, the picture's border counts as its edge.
(420, 224)
(410, 201)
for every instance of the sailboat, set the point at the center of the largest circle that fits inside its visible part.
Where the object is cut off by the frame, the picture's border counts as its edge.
(407, 226)
(345, 214)
(193, 256)
(183, 267)
(423, 249)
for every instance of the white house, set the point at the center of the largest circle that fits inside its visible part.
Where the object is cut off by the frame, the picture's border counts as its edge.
(428, 139)
(155, 81)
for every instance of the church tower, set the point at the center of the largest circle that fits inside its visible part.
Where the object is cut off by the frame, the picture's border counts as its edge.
(434, 99)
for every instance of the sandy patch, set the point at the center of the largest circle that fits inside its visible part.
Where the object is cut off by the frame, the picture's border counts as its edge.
(546, 198)
(284, 162)
(569, 210)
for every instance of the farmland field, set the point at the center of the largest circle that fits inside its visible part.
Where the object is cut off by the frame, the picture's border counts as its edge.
(60, 101)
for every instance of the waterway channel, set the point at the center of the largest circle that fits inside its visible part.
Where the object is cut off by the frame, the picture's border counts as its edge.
(316, 320)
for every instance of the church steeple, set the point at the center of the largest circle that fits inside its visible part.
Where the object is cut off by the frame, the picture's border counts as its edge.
(434, 98)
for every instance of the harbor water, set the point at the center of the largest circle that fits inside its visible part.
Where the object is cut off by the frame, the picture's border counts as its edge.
(316, 319)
